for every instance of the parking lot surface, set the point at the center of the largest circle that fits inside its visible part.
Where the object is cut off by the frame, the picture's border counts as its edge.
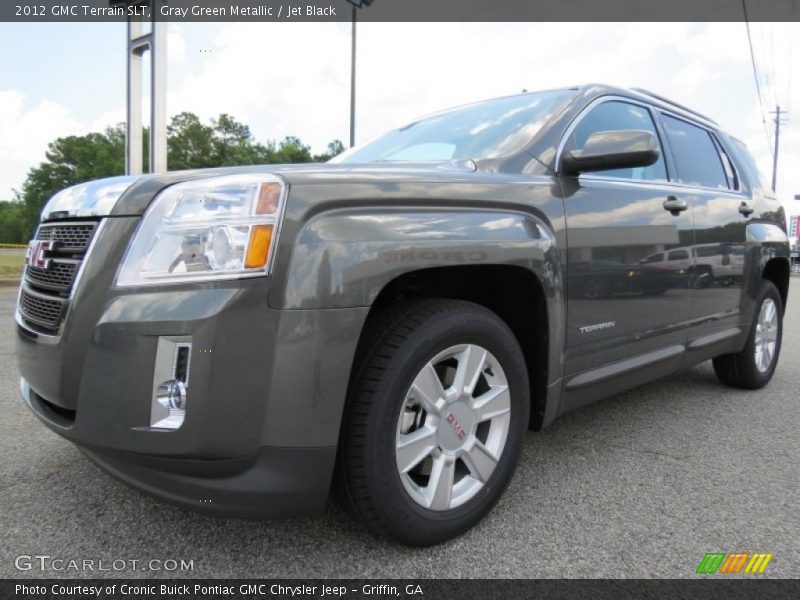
(639, 485)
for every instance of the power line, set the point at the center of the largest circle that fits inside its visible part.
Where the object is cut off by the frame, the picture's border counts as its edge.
(789, 77)
(755, 76)
(764, 67)
(774, 64)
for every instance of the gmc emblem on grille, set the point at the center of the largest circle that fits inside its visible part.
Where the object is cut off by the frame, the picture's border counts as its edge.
(36, 250)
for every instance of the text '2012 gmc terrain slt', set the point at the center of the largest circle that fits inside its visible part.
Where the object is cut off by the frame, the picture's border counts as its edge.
(391, 323)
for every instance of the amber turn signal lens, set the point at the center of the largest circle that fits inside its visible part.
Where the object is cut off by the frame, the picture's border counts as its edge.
(269, 196)
(258, 246)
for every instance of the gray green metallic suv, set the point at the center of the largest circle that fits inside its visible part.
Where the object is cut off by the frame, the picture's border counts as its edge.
(394, 321)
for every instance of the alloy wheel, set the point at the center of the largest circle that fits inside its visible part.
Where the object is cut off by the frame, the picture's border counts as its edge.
(452, 427)
(766, 337)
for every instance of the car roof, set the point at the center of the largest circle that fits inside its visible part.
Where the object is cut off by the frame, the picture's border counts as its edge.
(597, 90)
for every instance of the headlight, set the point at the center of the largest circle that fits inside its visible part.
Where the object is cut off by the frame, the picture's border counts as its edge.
(216, 228)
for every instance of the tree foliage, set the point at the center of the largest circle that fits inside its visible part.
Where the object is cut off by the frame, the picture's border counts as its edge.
(191, 144)
(12, 223)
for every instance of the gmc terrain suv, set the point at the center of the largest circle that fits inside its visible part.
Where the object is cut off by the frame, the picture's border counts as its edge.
(235, 340)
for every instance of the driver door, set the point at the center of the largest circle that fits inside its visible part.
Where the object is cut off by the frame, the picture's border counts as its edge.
(628, 262)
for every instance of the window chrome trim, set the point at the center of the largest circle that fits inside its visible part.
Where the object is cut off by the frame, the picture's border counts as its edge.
(53, 339)
(659, 182)
(650, 107)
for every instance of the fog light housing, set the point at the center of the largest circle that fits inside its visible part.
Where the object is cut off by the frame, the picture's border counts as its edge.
(170, 382)
(172, 396)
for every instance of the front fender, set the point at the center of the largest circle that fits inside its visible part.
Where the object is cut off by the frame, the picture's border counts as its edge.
(343, 258)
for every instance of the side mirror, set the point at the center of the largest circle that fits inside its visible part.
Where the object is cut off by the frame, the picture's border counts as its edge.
(611, 150)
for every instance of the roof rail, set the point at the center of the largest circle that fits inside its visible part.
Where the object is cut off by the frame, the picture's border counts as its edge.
(673, 103)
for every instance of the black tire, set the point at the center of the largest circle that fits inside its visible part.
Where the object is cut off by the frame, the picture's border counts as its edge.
(397, 344)
(740, 370)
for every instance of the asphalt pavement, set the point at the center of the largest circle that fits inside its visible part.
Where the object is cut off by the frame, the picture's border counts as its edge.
(639, 485)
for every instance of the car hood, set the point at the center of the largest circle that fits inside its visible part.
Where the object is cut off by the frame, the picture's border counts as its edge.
(131, 194)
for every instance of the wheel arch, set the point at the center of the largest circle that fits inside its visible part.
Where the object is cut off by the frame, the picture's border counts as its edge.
(771, 260)
(516, 294)
(777, 270)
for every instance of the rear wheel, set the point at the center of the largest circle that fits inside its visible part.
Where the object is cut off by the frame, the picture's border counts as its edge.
(752, 368)
(437, 413)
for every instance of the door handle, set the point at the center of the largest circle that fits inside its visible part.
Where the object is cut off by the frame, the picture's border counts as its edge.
(746, 210)
(675, 205)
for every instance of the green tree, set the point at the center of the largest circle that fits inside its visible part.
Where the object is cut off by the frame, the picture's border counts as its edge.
(12, 223)
(291, 150)
(191, 144)
(70, 160)
(233, 144)
(335, 148)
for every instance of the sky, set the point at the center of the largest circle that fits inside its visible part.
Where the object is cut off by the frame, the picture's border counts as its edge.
(294, 78)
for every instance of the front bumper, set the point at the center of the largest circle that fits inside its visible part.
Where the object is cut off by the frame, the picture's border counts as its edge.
(269, 483)
(265, 399)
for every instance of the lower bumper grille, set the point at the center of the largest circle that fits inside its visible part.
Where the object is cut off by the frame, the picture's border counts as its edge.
(54, 259)
(42, 311)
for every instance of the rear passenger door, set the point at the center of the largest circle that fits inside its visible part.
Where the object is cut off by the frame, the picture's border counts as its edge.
(626, 293)
(708, 179)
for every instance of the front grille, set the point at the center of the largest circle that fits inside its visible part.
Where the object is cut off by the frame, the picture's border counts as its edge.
(72, 236)
(50, 277)
(58, 277)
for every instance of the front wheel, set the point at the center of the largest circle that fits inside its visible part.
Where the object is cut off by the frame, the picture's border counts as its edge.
(753, 367)
(436, 416)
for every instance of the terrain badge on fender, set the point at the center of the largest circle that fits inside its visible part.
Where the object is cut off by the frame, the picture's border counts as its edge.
(597, 326)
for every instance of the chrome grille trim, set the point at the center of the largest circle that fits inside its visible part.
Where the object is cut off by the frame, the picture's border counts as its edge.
(74, 254)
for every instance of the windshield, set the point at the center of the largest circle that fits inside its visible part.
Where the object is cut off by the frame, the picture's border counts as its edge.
(484, 130)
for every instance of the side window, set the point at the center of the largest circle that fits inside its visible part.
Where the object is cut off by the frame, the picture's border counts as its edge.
(707, 250)
(747, 163)
(696, 157)
(730, 171)
(678, 255)
(619, 116)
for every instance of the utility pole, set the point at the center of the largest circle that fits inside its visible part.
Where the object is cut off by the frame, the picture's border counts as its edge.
(777, 112)
(353, 81)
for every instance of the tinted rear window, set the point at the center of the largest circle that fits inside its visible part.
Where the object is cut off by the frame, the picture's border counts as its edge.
(696, 157)
(746, 160)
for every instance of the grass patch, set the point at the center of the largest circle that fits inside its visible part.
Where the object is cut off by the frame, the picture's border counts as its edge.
(11, 264)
